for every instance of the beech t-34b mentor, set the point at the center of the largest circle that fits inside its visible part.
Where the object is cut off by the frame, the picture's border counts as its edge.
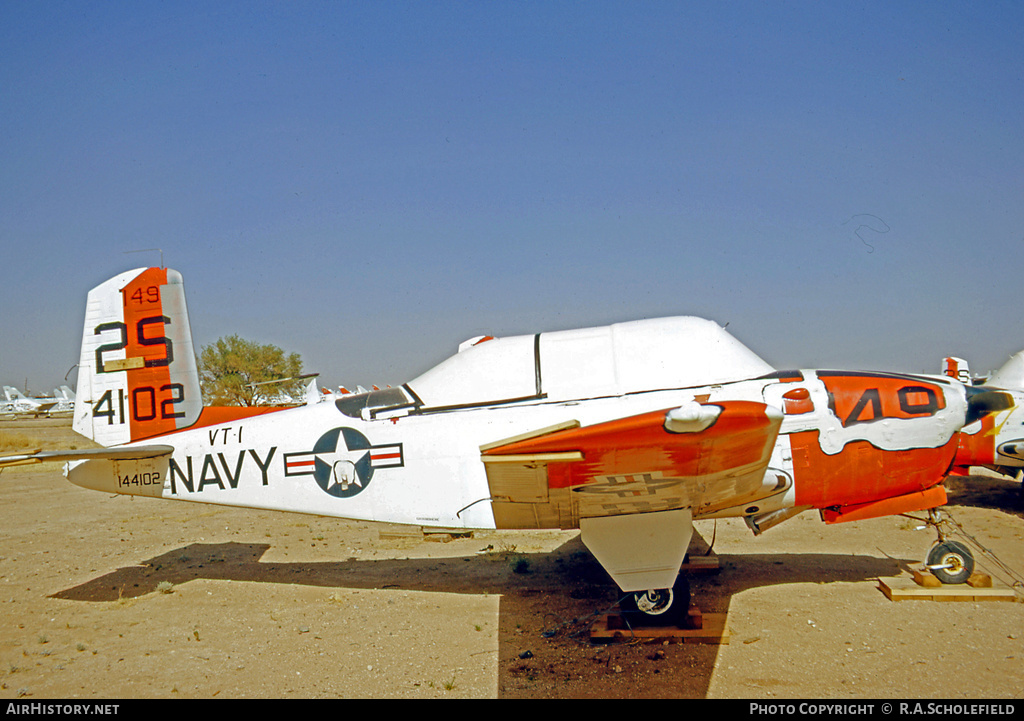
(628, 432)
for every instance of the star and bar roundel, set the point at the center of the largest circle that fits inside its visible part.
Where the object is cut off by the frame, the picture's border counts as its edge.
(343, 461)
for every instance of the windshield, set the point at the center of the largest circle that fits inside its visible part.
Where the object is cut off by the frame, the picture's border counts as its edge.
(374, 402)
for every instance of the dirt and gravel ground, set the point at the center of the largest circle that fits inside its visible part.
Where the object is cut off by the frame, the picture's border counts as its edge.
(117, 598)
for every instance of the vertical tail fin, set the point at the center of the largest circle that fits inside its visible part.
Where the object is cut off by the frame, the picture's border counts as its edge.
(13, 394)
(1011, 375)
(957, 368)
(137, 376)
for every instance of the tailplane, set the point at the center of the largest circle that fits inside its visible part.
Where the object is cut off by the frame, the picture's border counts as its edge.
(137, 376)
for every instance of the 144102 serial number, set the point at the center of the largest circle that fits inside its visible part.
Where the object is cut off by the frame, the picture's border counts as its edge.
(150, 478)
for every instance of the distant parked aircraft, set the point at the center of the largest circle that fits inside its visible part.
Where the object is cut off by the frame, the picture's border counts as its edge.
(17, 404)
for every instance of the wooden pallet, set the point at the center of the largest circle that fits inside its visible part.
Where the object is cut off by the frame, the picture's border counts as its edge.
(699, 628)
(700, 564)
(923, 586)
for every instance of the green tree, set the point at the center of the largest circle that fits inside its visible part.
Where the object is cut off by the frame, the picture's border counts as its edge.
(234, 372)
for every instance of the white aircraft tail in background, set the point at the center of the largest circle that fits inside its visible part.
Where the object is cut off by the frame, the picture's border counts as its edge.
(957, 368)
(1011, 374)
(995, 439)
(65, 400)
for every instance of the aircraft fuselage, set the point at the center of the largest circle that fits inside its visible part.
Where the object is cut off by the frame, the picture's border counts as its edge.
(845, 439)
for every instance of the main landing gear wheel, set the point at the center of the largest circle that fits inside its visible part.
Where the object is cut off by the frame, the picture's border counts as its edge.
(951, 561)
(661, 606)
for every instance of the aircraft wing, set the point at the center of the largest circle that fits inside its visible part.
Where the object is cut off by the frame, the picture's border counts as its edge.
(132, 453)
(699, 456)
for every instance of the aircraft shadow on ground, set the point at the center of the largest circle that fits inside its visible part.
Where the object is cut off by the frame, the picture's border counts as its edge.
(567, 567)
(565, 589)
(241, 562)
(1001, 494)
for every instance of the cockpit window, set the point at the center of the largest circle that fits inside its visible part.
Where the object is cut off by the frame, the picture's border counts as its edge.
(375, 401)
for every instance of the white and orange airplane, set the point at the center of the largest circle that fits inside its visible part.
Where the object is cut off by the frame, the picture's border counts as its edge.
(627, 432)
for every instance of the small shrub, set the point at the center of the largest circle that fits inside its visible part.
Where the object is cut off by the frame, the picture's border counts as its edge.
(520, 565)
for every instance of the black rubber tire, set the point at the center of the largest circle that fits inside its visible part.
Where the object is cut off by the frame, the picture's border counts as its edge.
(956, 556)
(659, 607)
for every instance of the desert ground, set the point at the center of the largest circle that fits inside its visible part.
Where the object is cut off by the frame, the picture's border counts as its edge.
(121, 598)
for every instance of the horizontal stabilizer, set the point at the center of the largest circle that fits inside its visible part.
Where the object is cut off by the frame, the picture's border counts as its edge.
(88, 454)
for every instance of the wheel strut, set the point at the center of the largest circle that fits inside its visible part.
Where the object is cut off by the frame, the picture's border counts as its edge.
(935, 521)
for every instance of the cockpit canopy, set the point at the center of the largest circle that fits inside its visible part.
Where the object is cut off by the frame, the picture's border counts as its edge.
(644, 355)
(677, 352)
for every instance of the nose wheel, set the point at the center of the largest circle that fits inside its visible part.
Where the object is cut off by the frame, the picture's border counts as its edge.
(949, 561)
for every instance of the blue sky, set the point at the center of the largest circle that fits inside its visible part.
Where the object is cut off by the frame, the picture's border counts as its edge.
(370, 183)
